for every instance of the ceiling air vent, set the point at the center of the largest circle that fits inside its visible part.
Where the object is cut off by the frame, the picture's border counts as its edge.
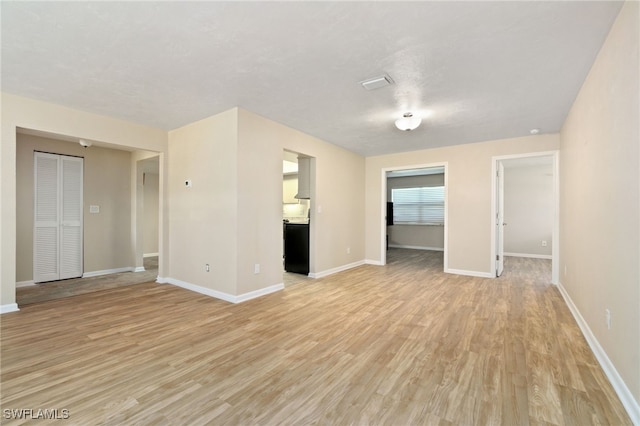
(377, 82)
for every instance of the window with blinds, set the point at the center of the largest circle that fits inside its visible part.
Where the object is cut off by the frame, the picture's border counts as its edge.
(418, 206)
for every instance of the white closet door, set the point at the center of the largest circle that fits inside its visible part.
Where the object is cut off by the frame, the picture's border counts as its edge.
(45, 232)
(71, 218)
(57, 235)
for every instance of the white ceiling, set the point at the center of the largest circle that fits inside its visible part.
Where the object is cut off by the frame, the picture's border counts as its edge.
(474, 70)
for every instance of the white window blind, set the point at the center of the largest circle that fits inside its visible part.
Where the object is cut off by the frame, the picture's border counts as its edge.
(420, 205)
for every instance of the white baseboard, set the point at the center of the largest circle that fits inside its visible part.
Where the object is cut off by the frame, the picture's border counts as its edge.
(416, 247)
(150, 255)
(373, 262)
(623, 392)
(219, 294)
(257, 293)
(532, 256)
(469, 273)
(336, 270)
(108, 271)
(11, 307)
(91, 274)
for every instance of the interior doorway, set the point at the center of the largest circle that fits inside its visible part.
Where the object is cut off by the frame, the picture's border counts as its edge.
(525, 209)
(148, 206)
(414, 210)
(298, 186)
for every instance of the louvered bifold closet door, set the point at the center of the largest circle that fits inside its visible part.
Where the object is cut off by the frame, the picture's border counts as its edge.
(46, 218)
(71, 220)
(57, 234)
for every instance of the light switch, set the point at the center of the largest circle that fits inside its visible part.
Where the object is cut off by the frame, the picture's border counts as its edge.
(94, 209)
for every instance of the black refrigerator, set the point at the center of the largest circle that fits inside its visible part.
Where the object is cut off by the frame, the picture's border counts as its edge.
(296, 248)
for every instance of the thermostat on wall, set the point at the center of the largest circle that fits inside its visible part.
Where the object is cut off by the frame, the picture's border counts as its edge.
(187, 183)
(94, 209)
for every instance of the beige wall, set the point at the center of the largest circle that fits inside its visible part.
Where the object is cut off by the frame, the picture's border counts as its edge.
(528, 210)
(599, 199)
(150, 225)
(337, 181)
(203, 219)
(26, 113)
(232, 216)
(468, 195)
(337, 188)
(106, 184)
(415, 236)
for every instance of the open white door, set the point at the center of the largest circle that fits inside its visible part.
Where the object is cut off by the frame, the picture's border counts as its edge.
(57, 234)
(500, 220)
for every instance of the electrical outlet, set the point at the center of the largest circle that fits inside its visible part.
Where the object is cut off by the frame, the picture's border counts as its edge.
(607, 316)
(565, 270)
(348, 250)
(256, 268)
(544, 243)
(207, 268)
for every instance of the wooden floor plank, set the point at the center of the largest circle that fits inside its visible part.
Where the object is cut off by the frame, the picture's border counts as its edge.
(399, 344)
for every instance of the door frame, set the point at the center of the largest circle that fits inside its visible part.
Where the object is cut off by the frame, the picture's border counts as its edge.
(499, 226)
(383, 208)
(555, 232)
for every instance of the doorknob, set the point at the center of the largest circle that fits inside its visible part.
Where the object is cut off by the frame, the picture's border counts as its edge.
(504, 223)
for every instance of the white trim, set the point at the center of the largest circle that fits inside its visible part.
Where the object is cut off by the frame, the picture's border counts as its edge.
(416, 247)
(91, 274)
(11, 307)
(555, 233)
(373, 262)
(161, 280)
(470, 273)
(150, 255)
(258, 293)
(532, 256)
(623, 392)
(219, 294)
(336, 270)
(107, 272)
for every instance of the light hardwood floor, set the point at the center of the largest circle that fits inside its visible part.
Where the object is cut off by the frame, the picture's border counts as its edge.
(402, 344)
(76, 286)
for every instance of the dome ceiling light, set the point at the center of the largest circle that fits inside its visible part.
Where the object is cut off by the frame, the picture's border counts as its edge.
(408, 122)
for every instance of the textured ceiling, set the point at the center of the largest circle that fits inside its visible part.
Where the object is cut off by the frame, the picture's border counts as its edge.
(474, 71)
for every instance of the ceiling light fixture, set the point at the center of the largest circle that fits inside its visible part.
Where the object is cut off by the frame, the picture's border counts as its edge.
(534, 131)
(85, 143)
(408, 122)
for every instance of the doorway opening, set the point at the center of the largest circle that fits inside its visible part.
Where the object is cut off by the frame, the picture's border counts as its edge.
(298, 227)
(147, 213)
(414, 212)
(525, 208)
